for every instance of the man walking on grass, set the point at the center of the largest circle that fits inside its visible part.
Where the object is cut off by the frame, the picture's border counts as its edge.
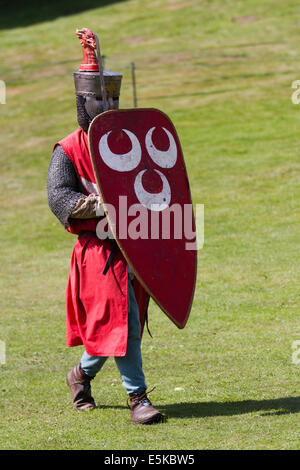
(106, 306)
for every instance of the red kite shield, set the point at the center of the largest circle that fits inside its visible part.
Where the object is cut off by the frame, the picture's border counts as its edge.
(141, 177)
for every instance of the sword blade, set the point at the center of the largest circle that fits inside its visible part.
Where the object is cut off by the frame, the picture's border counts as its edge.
(102, 84)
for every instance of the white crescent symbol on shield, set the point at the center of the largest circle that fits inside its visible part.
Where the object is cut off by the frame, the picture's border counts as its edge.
(121, 162)
(89, 186)
(163, 158)
(153, 201)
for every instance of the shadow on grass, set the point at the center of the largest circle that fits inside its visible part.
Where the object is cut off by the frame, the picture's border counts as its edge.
(277, 406)
(36, 11)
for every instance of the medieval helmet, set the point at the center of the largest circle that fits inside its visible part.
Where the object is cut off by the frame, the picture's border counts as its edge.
(89, 99)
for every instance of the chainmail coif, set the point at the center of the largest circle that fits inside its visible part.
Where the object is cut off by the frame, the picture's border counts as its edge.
(82, 116)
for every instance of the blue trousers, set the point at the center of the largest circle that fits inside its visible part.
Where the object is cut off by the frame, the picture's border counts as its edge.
(130, 365)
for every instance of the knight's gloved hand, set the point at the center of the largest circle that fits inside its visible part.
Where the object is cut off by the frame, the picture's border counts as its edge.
(87, 207)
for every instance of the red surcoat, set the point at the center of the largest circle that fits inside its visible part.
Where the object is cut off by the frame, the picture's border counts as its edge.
(96, 304)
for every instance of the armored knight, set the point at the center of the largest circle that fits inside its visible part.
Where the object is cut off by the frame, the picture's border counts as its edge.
(106, 306)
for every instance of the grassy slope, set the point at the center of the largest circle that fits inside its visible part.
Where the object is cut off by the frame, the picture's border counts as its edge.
(226, 85)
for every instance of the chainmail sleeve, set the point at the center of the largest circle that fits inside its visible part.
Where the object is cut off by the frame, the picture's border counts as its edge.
(62, 186)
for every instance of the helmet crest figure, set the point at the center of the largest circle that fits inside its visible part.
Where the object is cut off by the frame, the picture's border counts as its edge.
(88, 42)
(132, 153)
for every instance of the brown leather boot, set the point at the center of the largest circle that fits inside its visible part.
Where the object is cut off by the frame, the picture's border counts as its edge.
(142, 411)
(80, 387)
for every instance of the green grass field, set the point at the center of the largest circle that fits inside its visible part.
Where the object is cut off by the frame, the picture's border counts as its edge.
(222, 71)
